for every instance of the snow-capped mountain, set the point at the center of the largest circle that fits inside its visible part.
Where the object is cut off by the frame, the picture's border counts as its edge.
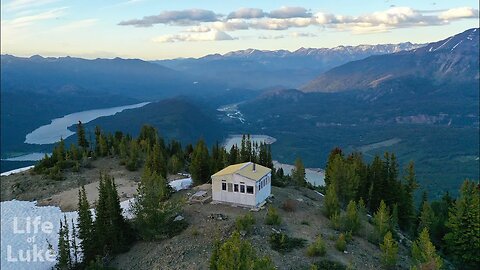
(452, 60)
(263, 68)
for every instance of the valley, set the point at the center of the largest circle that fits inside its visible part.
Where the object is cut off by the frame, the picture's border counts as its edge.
(226, 135)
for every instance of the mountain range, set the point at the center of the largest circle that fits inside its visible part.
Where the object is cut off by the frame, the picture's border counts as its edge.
(419, 101)
(452, 60)
(254, 68)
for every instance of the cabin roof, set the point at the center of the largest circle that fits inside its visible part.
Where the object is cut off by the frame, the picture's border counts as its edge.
(246, 170)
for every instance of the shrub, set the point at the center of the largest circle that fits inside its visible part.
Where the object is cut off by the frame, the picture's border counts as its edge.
(272, 217)
(348, 236)
(341, 243)
(317, 248)
(336, 221)
(305, 222)
(245, 223)
(289, 205)
(329, 265)
(236, 253)
(283, 243)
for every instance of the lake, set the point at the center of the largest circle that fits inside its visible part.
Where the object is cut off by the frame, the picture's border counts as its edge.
(314, 176)
(58, 128)
(237, 139)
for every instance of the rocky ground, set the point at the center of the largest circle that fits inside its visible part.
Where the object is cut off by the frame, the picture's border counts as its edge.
(28, 186)
(192, 248)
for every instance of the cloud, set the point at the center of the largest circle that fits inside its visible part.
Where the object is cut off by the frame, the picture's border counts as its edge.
(392, 18)
(16, 5)
(459, 13)
(289, 12)
(271, 37)
(24, 21)
(76, 25)
(208, 25)
(213, 35)
(303, 34)
(247, 13)
(175, 17)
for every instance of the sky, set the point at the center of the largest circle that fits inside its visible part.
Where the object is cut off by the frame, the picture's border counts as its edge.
(160, 29)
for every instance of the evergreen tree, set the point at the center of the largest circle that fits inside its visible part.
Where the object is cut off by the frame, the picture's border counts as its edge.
(376, 174)
(463, 240)
(423, 253)
(333, 154)
(233, 155)
(82, 141)
(389, 249)
(406, 207)
(133, 156)
(426, 219)
(298, 173)
(74, 246)
(98, 134)
(381, 221)
(330, 203)
(200, 165)
(154, 215)
(111, 230)
(352, 220)
(85, 227)
(64, 260)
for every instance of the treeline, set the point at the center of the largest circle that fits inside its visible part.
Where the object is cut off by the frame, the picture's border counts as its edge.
(149, 149)
(449, 226)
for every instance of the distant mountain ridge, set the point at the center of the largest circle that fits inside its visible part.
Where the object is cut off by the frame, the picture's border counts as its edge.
(132, 78)
(253, 68)
(452, 60)
(318, 52)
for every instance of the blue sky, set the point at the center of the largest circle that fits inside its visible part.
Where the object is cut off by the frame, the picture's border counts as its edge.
(151, 29)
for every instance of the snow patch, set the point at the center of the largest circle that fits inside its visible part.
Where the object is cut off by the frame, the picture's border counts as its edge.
(453, 48)
(19, 170)
(18, 216)
(180, 184)
(443, 44)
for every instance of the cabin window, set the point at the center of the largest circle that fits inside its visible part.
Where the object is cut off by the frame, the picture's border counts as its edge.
(224, 186)
(242, 188)
(250, 189)
(235, 188)
(230, 189)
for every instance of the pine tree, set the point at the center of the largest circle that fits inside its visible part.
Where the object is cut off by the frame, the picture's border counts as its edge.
(298, 173)
(154, 215)
(406, 207)
(352, 220)
(426, 219)
(463, 240)
(74, 246)
(85, 227)
(330, 203)
(111, 230)
(333, 154)
(423, 253)
(82, 141)
(200, 165)
(381, 221)
(233, 155)
(389, 249)
(64, 260)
